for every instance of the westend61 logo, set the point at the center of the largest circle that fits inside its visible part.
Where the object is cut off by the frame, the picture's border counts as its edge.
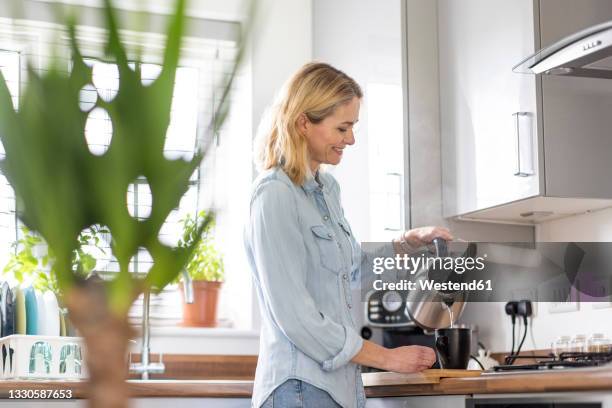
(414, 263)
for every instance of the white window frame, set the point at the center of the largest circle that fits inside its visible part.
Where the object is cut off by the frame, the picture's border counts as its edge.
(94, 38)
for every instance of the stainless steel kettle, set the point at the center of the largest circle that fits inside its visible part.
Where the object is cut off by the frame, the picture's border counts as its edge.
(431, 309)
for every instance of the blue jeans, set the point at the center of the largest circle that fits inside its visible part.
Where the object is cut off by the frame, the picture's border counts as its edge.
(299, 394)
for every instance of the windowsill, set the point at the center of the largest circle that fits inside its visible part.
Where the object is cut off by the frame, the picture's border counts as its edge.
(203, 332)
(201, 340)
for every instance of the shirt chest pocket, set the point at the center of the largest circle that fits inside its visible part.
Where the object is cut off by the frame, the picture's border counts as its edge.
(329, 252)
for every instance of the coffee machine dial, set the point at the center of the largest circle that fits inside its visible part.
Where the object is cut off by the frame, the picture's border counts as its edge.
(392, 301)
(386, 309)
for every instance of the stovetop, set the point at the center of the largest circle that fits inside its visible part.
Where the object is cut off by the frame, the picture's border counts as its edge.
(564, 361)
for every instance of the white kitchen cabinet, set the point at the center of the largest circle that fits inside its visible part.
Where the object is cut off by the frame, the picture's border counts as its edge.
(190, 402)
(516, 147)
(447, 401)
(479, 43)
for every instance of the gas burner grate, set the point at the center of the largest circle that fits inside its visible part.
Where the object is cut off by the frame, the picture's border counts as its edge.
(565, 360)
(603, 357)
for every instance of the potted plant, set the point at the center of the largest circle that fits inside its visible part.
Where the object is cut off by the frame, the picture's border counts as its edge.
(30, 259)
(205, 268)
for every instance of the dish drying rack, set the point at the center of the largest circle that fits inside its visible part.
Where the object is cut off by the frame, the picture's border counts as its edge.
(28, 357)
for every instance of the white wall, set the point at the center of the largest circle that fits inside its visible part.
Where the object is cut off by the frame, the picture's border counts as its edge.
(546, 327)
(281, 44)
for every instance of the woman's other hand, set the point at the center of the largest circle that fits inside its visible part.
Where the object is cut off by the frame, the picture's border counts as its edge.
(406, 359)
(410, 359)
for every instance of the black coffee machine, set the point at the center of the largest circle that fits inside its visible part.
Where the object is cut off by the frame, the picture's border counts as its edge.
(387, 310)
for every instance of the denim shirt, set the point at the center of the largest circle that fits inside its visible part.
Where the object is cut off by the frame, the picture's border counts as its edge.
(304, 257)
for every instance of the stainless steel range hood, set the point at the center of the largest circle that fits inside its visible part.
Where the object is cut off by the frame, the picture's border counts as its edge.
(587, 53)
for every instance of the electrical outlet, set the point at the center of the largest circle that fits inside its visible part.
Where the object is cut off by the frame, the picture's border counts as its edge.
(527, 294)
(601, 305)
(565, 299)
(602, 291)
(563, 307)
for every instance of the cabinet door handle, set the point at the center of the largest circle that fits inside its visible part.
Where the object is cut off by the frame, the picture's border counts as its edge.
(524, 144)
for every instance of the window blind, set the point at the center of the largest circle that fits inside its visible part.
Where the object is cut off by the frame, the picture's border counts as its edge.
(9, 66)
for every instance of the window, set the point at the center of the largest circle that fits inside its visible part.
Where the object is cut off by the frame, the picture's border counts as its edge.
(181, 142)
(222, 181)
(212, 186)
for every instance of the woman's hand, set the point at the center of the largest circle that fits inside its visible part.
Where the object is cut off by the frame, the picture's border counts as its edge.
(410, 359)
(407, 359)
(422, 236)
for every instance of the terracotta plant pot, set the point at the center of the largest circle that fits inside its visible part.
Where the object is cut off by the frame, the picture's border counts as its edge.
(203, 311)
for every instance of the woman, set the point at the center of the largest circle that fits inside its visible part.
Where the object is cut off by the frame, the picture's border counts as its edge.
(302, 253)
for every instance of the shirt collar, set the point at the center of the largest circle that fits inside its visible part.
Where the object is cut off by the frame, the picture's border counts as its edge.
(311, 183)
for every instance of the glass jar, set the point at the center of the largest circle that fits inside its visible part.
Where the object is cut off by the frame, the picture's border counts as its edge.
(579, 343)
(561, 345)
(598, 343)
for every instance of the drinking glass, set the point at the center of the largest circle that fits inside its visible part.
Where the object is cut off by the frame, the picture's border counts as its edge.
(40, 358)
(70, 359)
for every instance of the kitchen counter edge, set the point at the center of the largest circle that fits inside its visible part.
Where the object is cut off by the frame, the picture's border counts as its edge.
(590, 379)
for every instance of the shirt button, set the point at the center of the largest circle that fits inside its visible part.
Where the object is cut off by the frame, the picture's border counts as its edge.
(329, 235)
(345, 276)
(326, 217)
(349, 305)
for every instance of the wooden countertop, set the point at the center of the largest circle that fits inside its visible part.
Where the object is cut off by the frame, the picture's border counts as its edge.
(196, 388)
(579, 379)
(144, 389)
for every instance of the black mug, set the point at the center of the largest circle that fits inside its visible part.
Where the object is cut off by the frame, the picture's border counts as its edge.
(453, 347)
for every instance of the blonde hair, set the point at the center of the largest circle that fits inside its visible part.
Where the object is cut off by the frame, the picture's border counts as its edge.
(315, 90)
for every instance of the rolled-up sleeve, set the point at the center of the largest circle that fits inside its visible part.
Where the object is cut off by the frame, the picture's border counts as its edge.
(352, 345)
(279, 253)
